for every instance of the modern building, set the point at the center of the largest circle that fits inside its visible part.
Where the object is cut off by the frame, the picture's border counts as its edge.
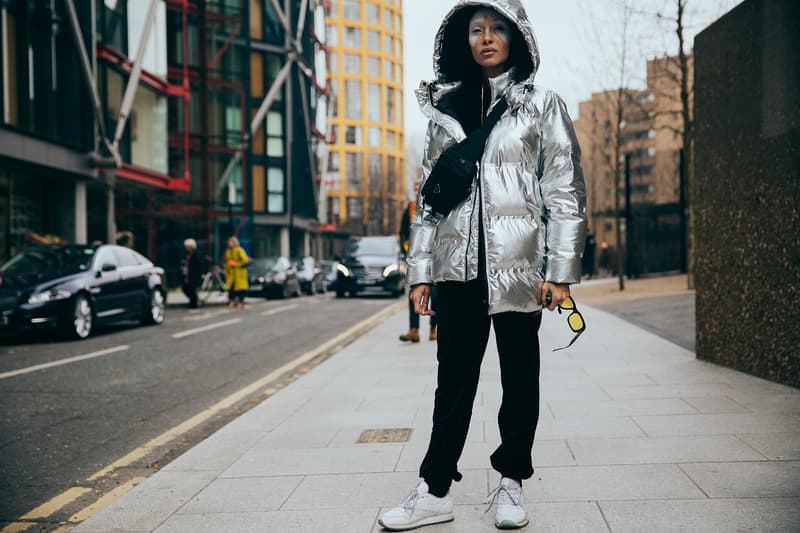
(47, 125)
(365, 184)
(650, 142)
(187, 119)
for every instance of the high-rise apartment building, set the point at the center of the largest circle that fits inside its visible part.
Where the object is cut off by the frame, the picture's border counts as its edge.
(364, 183)
(651, 141)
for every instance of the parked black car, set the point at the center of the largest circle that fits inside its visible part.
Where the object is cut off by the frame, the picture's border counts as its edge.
(273, 277)
(310, 275)
(75, 287)
(369, 264)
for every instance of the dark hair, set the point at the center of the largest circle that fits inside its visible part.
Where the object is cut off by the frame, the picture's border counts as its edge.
(455, 56)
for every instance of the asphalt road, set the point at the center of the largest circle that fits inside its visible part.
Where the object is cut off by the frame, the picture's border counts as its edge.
(59, 425)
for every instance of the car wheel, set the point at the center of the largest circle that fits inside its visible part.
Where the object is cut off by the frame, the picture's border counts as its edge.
(82, 318)
(155, 311)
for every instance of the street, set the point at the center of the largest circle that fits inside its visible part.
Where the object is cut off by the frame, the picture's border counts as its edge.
(70, 409)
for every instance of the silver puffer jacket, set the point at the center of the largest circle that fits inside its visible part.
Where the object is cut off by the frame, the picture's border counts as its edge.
(529, 190)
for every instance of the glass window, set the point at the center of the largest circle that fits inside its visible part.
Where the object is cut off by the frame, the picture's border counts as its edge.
(397, 23)
(373, 41)
(275, 134)
(390, 139)
(333, 161)
(374, 137)
(387, 68)
(352, 135)
(355, 208)
(373, 102)
(275, 189)
(387, 44)
(390, 114)
(352, 63)
(375, 172)
(333, 34)
(387, 18)
(352, 89)
(155, 55)
(373, 66)
(352, 171)
(332, 61)
(372, 13)
(351, 9)
(352, 37)
(397, 48)
(148, 131)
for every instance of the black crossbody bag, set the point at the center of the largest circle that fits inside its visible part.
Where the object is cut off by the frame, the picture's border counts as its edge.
(451, 177)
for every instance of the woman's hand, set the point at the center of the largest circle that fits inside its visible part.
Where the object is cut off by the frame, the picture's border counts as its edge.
(558, 293)
(421, 298)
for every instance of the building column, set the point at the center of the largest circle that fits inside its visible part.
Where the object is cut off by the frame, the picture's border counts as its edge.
(81, 232)
(285, 242)
(306, 243)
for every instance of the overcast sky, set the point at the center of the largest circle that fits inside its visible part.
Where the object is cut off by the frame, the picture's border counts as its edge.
(579, 42)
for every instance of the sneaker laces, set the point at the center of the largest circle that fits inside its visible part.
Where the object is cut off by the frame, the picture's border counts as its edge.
(411, 500)
(504, 495)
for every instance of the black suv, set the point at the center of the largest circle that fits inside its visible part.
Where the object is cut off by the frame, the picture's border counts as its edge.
(371, 264)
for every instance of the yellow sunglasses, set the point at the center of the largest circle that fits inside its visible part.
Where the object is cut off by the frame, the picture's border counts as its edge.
(574, 319)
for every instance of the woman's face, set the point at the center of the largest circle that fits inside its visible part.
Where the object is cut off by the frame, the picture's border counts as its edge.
(489, 40)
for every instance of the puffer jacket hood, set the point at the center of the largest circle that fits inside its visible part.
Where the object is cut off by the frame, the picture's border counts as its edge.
(451, 46)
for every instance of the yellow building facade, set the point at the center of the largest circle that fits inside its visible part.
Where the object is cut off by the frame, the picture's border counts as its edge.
(364, 184)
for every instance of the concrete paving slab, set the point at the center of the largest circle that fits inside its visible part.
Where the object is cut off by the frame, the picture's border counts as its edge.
(367, 458)
(149, 504)
(242, 495)
(708, 516)
(662, 450)
(591, 483)
(367, 490)
(775, 446)
(340, 521)
(747, 480)
(716, 405)
(217, 452)
(292, 439)
(610, 427)
(583, 409)
(722, 424)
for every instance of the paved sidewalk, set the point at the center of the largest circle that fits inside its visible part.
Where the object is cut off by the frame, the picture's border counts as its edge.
(635, 435)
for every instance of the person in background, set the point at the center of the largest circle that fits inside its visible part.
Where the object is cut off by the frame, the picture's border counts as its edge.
(236, 261)
(511, 248)
(192, 272)
(412, 335)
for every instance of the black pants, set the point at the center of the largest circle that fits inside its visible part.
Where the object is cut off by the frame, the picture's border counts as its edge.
(413, 317)
(191, 292)
(463, 334)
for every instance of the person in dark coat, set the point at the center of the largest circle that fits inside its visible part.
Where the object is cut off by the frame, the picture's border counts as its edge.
(412, 335)
(192, 272)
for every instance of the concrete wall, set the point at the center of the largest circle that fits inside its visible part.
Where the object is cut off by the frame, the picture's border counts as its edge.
(747, 190)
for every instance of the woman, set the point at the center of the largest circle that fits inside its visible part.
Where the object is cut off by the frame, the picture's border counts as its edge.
(511, 248)
(236, 261)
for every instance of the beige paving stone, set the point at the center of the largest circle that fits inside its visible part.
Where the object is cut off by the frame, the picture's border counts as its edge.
(775, 446)
(265, 462)
(590, 483)
(368, 490)
(716, 405)
(704, 515)
(721, 424)
(661, 450)
(149, 503)
(591, 409)
(747, 480)
(242, 495)
(328, 520)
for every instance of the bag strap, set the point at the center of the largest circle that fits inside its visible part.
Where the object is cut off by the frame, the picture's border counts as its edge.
(475, 142)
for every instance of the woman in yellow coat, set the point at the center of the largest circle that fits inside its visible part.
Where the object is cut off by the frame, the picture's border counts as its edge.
(236, 273)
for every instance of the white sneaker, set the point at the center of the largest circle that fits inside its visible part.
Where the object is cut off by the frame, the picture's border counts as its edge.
(510, 510)
(420, 508)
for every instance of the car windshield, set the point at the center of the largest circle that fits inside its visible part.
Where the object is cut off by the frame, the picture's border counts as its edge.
(49, 262)
(265, 264)
(382, 246)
